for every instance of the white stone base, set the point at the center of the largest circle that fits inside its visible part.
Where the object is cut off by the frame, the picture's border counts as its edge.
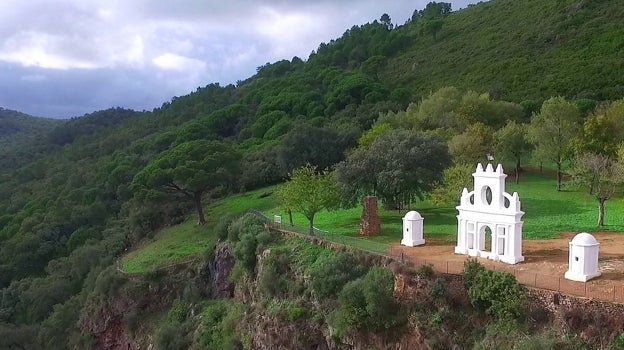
(510, 259)
(579, 278)
(488, 255)
(412, 242)
(461, 250)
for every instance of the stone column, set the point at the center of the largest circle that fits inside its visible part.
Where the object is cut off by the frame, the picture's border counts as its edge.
(370, 224)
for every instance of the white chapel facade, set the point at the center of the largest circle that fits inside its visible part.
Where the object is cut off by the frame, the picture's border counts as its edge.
(489, 221)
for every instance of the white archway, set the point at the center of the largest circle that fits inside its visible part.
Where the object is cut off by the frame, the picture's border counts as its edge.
(488, 206)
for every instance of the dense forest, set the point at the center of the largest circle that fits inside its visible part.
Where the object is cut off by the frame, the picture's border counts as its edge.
(76, 194)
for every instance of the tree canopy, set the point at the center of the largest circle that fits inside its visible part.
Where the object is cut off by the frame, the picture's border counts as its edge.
(191, 169)
(309, 192)
(397, 166)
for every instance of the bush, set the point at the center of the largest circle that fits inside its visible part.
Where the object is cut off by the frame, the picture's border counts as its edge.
(218, 327)
(425, 270)
(178, 312)
(222, 227)
(236, 227)
(171, 336)
(330, 273)
(252, 238)
(275, 268)
(437, 290)
(496, 293)
(367, 304)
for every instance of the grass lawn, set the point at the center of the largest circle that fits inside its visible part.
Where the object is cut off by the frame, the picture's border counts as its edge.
(169, 245)
(548, 213)
(186, 240)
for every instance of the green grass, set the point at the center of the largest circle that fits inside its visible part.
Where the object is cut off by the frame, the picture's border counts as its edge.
(548, 213)
(170, 245)
(187, 240)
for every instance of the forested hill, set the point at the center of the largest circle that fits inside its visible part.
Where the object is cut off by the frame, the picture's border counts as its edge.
(95, 186)
(521, 50)
(19, 133)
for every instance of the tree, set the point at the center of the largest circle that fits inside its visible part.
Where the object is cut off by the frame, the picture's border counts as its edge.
(190, 169)
(455, 178)
(472, 145)
(551, 131)
(397, 166)
(308, 192)
(386, 21)
(600, 174)
(511, 143)
(432, 27)
(603, 132)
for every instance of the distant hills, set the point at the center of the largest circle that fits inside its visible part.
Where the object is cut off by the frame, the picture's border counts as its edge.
(21, 137)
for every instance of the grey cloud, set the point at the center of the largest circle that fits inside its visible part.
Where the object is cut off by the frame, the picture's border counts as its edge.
(120, 40)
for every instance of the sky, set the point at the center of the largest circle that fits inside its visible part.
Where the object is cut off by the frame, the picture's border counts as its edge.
(66, 58)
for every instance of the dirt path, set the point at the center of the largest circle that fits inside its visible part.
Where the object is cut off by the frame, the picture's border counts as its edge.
(542, 257)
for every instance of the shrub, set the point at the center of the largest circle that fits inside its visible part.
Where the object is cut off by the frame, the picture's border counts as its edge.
(425, 270)
(330, 273)
(239, 225)
(218, 327)
(494, 292)
(367, 304)
(275, 268)
(437, 290)
(222, 227)
(252, 238)
(171, 336)
(178, 312)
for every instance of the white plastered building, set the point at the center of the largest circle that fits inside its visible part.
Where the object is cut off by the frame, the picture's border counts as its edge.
(412, 229)
(583, 258)
(489, 221)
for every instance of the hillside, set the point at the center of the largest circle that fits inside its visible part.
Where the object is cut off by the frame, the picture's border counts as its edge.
(78, 193)
(19, 134)
(521, 50)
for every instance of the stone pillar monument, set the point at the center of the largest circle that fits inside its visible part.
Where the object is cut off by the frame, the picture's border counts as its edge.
(370, 224)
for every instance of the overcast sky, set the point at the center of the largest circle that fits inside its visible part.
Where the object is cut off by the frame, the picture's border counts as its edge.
(65, 58)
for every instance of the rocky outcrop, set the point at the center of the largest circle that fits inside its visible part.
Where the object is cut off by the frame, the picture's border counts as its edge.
(108, 327)
(214, 278)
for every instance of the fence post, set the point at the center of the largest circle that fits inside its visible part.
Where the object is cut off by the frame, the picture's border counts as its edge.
(447, 267)
(614, 292)
(559, 288)
(535, 280)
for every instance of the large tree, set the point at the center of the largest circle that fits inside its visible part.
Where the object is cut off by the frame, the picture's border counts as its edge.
(308, 192)
(397, 166)
(511, 143)
(551, 131)
(601, 175)
(192, 169)
(472, 145)
(602, 132)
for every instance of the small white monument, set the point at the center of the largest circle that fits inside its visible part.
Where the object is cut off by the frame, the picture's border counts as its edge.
(412, 229)
(489, 208)
(583, 260)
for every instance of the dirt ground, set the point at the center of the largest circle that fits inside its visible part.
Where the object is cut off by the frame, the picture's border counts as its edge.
(544, 257)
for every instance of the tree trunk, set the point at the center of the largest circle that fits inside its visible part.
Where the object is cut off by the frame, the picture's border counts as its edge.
(601, 212)
(201, 219)
(559, 176)
(311, 219)
(290, 218)
(517, 170)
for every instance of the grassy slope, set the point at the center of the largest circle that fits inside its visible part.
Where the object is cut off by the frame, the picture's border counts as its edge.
(181, 242)
(528, 49)
(548, 213)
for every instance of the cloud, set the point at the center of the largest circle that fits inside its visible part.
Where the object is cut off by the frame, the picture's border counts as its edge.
(70, 57)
